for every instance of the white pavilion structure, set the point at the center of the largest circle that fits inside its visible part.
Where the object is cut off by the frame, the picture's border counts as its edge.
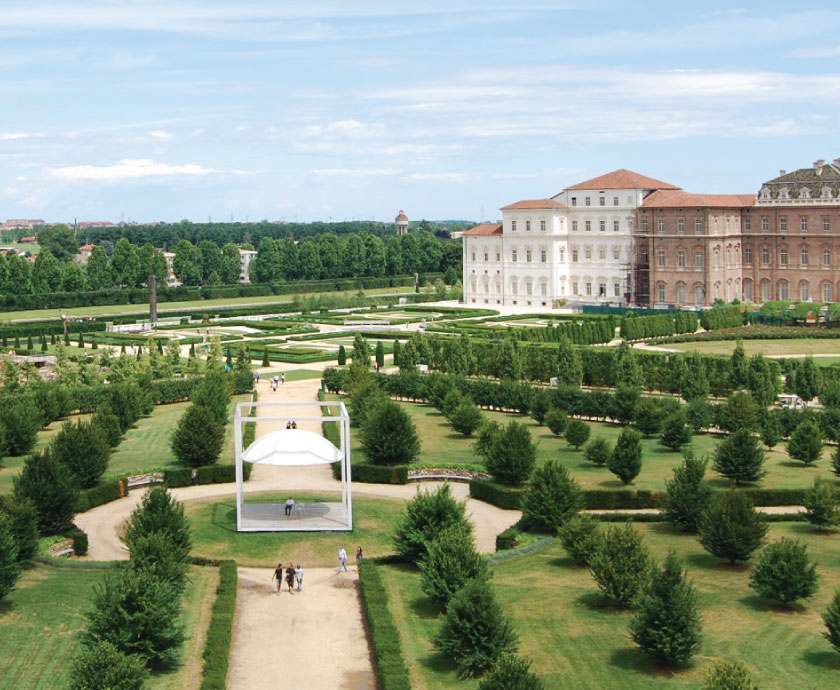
(292, 448)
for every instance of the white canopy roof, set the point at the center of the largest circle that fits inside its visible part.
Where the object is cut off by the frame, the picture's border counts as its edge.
(291, 448)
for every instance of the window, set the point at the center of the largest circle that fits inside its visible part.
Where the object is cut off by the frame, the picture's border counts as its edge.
(765, 290)
(602, 289)
(542, 256)
(660, 293)
(660, 226)
(574, 288)
(562, 255)
(527, 226)
(513, 226)
(783, 289)
(542, 226)
(615, 201)
(615, 226)
(543, 289)
(698, 226)
(803, 223)
(574, 226)
(680, 226)
(826, 224)
(486, 257)
(575, 257)
(765, 256)
(616, 287)
(588, 289)
(747, 224)
(574, 201)
(748, 256)
(660, 259)
(680, 294)
(748, 289)
(643, 224)
(529, 288)
(699, 295)
(498, 256)
(783, 225)
(698, 261)
(513, 255)
(588, 226)
(680, 259)
(588, 201)
(783, 257)
(602, 201)
(528, 255)
(616, 253)
(826, 292)
(602, 253)
(803, 256)
(827, 257)
(587, 253)
(765, 224)
(602, 225)
(472, 256)
(804, 290)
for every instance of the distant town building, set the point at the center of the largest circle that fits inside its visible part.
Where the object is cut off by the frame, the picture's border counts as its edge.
(83, 255)
(246, 256)
(401, 221)
(85, 224)
(29, 239)
(171, 279)
(21, 223)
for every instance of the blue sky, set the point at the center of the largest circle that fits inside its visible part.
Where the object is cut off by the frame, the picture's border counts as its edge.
(156, 110)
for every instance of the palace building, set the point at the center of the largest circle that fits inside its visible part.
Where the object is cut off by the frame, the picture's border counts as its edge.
(623, 238)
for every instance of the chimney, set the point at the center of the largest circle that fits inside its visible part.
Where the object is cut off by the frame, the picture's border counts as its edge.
(782, 172)
(819, 163)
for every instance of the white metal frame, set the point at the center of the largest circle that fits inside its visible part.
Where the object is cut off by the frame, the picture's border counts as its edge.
(242, 415)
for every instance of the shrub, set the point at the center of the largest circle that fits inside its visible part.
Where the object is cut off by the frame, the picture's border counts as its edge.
(109, 423)
(512, 455)
(104, 492)
(137, 612)
(507, 497)
(831, 618)
(23, 517)
(822, 505)
(364, 399)
(648, 416)
(466, 418)
(555, 420)
(511, 672)
(729, 675)
(389, 436)
(21, 421)
(475, 632)
(156, 553)
(552, 498)
(50, 486)
(667, 624)
(698, 415)
(9, 565)
(740, 457)
(101, 666)
(199, 436)
(213, 392)
(579, 537)
(425, 516)
(620, 564)
(730, 528)
(687, 494)
(488, 433)
(771, 431)
(784, 573)
(80, 541)
(805, 442)
(450, 562)
(626, 459)
(577, 433)
(675, 432)
(84, 449)
(598, 451)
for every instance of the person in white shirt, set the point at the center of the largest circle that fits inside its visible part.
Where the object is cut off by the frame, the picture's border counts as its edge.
(342, 561)
(299, 577)
(290, 506)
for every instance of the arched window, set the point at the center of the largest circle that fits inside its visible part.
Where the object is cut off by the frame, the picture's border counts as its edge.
(528, 255)
(680, 293)
(804, 291)
(765, 290)
(748, 288)
(660, 258)
(699, 295)
(660, 293)
(782, 290)
(826, 292)
(514, 286)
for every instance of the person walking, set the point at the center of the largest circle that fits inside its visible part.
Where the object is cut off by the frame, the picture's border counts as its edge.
(342, 561)
(283, 377)
(360, 555)
(299, 577)
(290, 578)
(278, 575)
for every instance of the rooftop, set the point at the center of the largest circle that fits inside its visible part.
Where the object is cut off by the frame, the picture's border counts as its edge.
(533, 204)
(483, 229)
(623, 179)
(681, 199)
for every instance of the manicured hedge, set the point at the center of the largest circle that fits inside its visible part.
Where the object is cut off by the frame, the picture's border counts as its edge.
(374, 474)
(107, 491)
(220, 631)
(507, 539)
(80, 541)
(506, 497)
(724, 316)
(622, 499)
(389, 664)
(208, 474)
(635, 327)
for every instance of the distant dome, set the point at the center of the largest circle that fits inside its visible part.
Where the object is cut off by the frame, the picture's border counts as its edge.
(401, 217)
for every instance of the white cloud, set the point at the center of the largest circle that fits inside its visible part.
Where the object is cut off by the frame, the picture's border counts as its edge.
(344, 128)
(816, 52)
(437, 177)
(19, 136)
(161, 134)
(127, 169)
(353, 172)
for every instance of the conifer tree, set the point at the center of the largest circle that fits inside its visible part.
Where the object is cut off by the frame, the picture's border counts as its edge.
(449, 563)
(822, 505)
(621, 564)
(687, 494)
(577, 432)
(675, 431)
(553, 497)
(569, 364)
(740, 457)
(9, 565)
(511, 672)
(805, 442)
(730, 528)
(784, 573)
(342, 356)
(626, 459)
(831, 618)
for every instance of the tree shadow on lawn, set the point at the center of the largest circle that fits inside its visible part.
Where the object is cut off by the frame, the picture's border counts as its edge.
(763, 605)
(595, 601)
(709, 561)
(425, 608)
(822, 658)
(566, 562)
(634, 659)
(223, 516)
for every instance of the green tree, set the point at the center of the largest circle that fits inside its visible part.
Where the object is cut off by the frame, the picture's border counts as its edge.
(101, 666)
(822, 505)
(805, 442)
(46, 273)
(552, 498)
(648, 416)
(342, 356)
(9, 565)
(466, 418)
(626, 459)
(366, 397)
(740, 367)
(213, 393)
(210, 259)
(675, 431)
(199, 437)
(125, 263)
(425, 516)
(59, 240)
(626, 400)
(698, 414)
(155, 553)
(807, 383)
(511, 672)
(831, 618)
(268, 263)
(151, 262)
(50, 486)
(512, 456)
(540, 404)
(98, 270)
(729, 675)
(475, 632)
(739, 412)
(380, 354)
(84, 449)
(187, 263)
(687, 494)
(621, 564)
(730, 528)
(580, 538)
(569, 364)
(598, 451)
(509, 364)
(309, 260)
(740, 457)
(231, 264)
(763, 381)
(160, 513)
(72, 277)
(20, 420)
(449, 563)
(771, 431)
(667, 624)
(626, 370)
(555, 420)
(23, 516)
(694, 383)
(389, 436)
(784, 573)
(361, 351)
(577, 433)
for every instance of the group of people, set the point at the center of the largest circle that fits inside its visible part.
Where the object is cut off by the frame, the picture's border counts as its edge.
(277, 380)
(342, 559)
(293, 577)
(291, 424)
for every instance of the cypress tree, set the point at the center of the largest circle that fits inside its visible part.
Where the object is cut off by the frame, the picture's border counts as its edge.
(265, 360)
(626, 459)
(740, 457)
(740, 367)
(342, 356)
(380, 354)
(397, 349)
(831, 618)
(30, 346)
(730, 528)
(553, 497)
(9, 565)
(687, 494)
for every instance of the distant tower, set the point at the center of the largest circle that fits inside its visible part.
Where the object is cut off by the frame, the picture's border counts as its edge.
(401, 222)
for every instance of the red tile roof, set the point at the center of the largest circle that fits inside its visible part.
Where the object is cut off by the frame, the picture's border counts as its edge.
(484, 229)
(680, 199)
(623, 179)
(533, 204)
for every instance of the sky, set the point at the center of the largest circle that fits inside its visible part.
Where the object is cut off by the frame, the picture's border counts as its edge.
(269, 109)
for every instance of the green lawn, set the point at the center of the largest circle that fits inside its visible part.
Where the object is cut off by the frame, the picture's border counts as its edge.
(576, 642)
(214, 535)
(41, 620)
(793, 346)
(296, 374)
(164, 307)
(441, 445)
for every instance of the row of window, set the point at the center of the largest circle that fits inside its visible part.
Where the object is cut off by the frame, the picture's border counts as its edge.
(602, 226)
(783, 224)
(513, 224)
(602, 200)
(680, 228)
(515, 255)
(784, 258)
(782, 292)
(602, 289)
